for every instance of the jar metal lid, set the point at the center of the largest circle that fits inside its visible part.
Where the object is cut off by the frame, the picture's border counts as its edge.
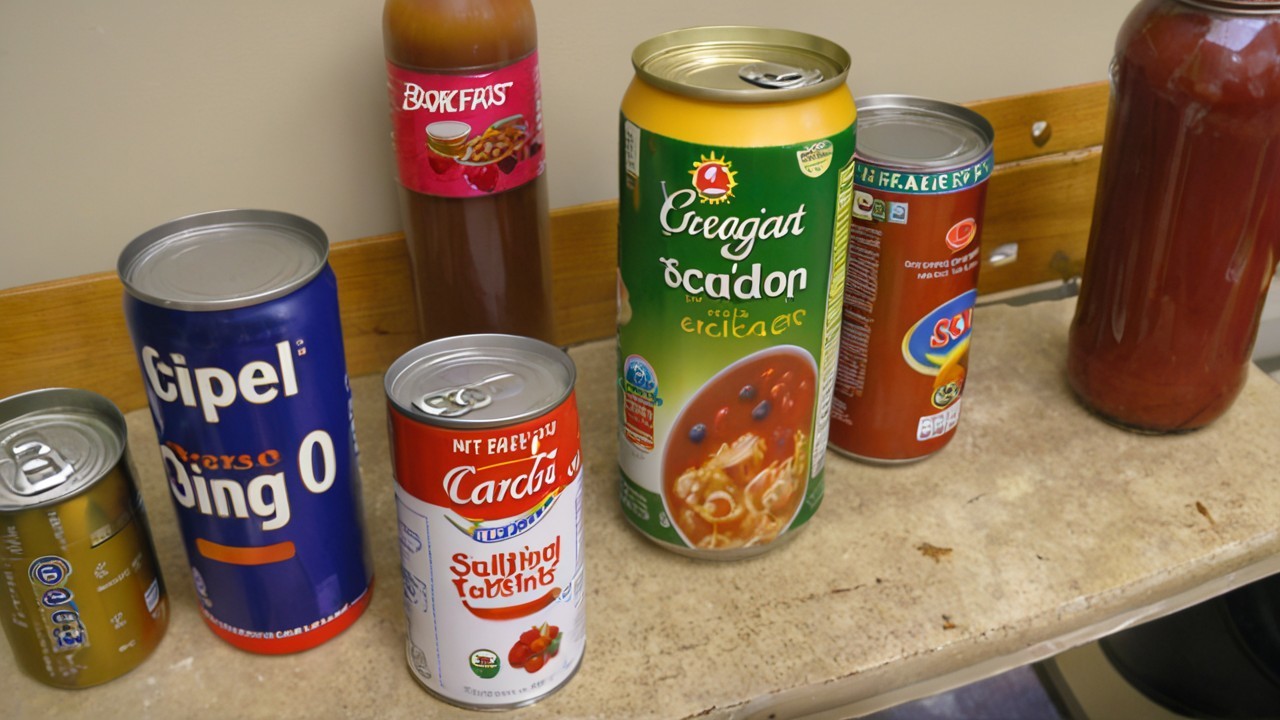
(1238, 7)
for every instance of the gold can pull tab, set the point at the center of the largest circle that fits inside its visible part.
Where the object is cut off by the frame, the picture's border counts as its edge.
(460, 400)
(34, 468)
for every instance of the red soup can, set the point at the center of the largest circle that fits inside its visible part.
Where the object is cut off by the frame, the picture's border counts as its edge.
(920, 184)
(488, 467)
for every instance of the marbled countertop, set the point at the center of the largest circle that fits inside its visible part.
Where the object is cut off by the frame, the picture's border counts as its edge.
(1059, 529)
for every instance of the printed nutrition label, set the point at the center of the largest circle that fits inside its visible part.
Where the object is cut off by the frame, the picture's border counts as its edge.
(860, 289)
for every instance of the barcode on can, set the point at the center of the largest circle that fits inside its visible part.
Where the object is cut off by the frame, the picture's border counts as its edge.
(932, 426)
(631, 139)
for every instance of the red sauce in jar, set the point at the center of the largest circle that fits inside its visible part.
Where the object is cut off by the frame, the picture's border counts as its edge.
(1186, 229)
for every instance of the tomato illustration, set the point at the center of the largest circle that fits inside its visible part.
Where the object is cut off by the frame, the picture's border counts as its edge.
(482, 177)
(535, 647)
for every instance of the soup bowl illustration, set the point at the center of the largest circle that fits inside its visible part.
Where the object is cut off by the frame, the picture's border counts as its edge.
(448, 137)
(737, 460)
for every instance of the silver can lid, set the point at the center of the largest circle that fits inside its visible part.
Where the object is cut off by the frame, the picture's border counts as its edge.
(55, 443)
(903, 131)
(480, 381)
(741, 64)
(223, 259)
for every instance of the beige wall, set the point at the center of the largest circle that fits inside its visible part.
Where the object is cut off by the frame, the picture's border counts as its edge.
(118, 115)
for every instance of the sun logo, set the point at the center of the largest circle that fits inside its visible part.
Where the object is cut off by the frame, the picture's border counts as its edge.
(713, 179)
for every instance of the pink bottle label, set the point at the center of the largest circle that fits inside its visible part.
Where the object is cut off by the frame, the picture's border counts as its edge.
(467, 135)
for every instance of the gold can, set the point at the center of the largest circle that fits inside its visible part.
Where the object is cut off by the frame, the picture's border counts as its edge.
(81, 596)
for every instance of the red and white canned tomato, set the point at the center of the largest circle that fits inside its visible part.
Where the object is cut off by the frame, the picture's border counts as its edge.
(486, 453)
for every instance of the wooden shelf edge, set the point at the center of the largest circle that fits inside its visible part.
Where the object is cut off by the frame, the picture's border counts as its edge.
(71, 332)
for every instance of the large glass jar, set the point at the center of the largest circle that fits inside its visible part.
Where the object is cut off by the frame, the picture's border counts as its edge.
(1186, 226)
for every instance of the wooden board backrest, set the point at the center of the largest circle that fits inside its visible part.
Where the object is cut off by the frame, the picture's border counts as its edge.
(72, 333)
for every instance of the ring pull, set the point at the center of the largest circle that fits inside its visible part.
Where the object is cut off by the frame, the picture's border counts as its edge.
(455, 401)
(774, 76)
(34, 467)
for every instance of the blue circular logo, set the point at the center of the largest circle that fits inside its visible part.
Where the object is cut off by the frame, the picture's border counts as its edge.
(65, 617)
(55, 597)
(50, 570)
(641, 375)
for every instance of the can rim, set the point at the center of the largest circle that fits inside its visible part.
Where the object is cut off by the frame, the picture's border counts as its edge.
(135, 255)
(16, 406)
(494, 341)
(869, 105)
(668, 43)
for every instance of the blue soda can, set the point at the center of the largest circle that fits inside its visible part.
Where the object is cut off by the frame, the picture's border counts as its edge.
(234, 318)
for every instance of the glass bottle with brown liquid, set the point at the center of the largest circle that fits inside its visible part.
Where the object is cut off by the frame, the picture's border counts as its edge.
(466, 110)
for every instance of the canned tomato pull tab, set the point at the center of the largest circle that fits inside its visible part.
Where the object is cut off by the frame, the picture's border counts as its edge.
(779, 77)
(455, 401)
(34, 468)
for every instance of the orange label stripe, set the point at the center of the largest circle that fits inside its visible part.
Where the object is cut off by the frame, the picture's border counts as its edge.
(263, 555)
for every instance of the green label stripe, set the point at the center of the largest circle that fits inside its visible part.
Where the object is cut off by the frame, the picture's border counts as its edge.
(909, 183)
(835, 313)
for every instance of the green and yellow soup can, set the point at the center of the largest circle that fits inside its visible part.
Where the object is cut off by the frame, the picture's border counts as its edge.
(736, 172)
